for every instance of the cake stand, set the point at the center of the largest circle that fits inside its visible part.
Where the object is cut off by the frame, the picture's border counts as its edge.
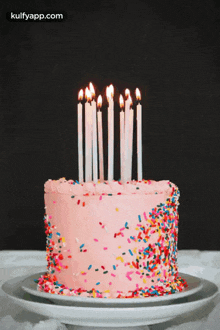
(134, 315)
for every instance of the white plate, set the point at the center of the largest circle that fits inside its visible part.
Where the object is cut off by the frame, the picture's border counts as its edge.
(105, 316)
(194, 285)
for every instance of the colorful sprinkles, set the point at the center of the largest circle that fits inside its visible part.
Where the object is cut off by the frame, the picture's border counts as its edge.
(155, 264)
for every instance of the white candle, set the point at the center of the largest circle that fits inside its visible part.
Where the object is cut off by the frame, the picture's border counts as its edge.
(88, 137)
(122, 130)
(139, 137)
(80, 138)
(109, 115)
(131, 125)
(100, 140)
(127, 108)
(94, 136)
(110, 92)
(95, 155)
(112, 130)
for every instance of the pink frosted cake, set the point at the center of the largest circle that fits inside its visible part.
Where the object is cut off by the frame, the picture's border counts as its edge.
(111, 240)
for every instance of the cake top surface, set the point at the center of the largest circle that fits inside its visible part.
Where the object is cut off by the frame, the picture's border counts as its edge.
(64, 186)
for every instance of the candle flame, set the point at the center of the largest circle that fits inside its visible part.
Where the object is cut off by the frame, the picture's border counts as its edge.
(121, 101)
(80, 95)
(127, 92)
(108, 92)
(138, 94)
(92, 90)
(111, 89)
(130, 99)
(88, 95)
(99, 101)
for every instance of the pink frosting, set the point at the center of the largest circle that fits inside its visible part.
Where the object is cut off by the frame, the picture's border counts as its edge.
(137, 187)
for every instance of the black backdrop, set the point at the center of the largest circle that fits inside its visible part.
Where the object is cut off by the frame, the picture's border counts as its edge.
(169, 49)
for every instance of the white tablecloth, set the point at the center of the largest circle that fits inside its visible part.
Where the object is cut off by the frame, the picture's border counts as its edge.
(205, 264)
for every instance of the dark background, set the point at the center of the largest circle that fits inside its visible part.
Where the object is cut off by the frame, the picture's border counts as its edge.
(169, 49)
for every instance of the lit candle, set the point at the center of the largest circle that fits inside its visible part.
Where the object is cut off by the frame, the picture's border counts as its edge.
(109, 113)
(100, 139)
(131, 126)
(88, 137)
(110, 93)
(112, 130)
(139, 136)
(126, 133)
(94, 135)
(122, 130)
(80, 137)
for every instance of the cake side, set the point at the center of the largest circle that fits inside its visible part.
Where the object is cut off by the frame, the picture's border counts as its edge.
(111, 240)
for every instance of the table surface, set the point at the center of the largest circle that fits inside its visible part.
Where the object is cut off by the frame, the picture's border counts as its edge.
(203, 264)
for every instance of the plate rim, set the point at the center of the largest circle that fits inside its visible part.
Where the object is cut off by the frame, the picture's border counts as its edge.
(117, 301)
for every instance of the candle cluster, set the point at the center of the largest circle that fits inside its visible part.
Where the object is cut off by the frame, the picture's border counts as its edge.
(93, 118)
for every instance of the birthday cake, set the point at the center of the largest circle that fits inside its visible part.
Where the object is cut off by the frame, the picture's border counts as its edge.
(111, 240)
